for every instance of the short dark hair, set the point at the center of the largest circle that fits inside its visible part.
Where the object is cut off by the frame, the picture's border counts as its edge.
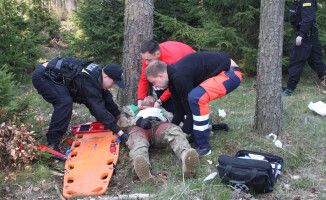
(154, 68)
(150, 46)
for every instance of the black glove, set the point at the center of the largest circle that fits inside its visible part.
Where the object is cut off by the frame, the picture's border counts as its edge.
(144, 123)
(124, 138)
(220, 126)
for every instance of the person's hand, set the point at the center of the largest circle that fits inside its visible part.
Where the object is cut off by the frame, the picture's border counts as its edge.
(140, 102)
(158, 103)
(144, 123)
(124, 138)
(298, 41)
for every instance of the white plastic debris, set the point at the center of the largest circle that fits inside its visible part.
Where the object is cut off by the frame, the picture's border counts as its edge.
(276, 142)
(221, 113)
(210, 162)
(210, 176)
(319, 107)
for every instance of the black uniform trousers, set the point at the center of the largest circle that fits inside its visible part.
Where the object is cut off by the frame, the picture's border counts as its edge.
(60, 98)
(310, 50)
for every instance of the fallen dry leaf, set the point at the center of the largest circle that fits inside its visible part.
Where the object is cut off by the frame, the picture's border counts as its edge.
(295, 177)
(313, 190)
(12, 176)
(28, 168)
(162, 176)
(287, 187)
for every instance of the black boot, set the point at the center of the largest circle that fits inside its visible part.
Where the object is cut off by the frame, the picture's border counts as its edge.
(220, 126)
(287, 92)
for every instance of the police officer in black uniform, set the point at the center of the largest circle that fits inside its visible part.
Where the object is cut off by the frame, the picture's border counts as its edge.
(63, 81)
(306, 46)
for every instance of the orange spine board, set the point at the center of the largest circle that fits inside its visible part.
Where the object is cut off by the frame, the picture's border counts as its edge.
(91, 163)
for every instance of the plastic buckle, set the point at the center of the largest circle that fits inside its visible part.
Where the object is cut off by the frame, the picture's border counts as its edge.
(241, 187)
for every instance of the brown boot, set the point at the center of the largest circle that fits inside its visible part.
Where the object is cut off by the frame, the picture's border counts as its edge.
(190, 162)
(142, 170)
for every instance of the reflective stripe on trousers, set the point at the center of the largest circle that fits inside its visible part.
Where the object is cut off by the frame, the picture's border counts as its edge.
(213, 88)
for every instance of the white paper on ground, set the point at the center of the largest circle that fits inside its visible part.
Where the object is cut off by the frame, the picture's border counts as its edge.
(277, 143)
(319, 107)
(210, 176)
(221, 113)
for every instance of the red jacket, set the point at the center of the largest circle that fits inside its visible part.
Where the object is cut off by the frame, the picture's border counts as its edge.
(171, 52)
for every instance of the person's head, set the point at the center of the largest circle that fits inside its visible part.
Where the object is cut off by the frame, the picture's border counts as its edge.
(156, 73)
(112, 75)
(150, 51)
(148, 101)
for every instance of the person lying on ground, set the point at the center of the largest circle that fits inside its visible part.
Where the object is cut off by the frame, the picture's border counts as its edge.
(149, 127)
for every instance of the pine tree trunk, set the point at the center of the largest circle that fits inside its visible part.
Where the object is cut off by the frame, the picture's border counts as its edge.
(268, 117)
(138, 24)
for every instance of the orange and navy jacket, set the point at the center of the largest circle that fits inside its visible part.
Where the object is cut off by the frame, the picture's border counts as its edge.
(187, 74)
(171, 52)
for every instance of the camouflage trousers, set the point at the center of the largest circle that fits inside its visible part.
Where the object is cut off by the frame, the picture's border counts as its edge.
(160, 135)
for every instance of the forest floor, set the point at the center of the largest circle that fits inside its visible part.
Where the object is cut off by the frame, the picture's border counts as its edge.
(303, 137)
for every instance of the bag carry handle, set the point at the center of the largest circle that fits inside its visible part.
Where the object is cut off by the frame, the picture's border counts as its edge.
(228, 171)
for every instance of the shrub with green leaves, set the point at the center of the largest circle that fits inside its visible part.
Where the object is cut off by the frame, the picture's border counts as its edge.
(12, 102)
(7, 86)
(23, 26)
(99, 34)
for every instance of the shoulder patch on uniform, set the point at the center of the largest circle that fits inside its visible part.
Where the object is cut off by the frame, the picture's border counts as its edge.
(306, 4)
(91, 66)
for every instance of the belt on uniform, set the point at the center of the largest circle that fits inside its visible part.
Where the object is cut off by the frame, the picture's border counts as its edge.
(232, 69)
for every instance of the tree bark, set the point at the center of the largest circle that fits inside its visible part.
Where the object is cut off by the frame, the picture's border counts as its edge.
(268, 117)
(138, 24)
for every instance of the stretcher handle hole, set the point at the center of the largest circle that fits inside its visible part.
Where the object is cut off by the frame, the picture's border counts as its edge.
(110, 162)
(80, 136)
(71, 167)
(74, 154)
(70, 180)
(77, 144)
(104, 176)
